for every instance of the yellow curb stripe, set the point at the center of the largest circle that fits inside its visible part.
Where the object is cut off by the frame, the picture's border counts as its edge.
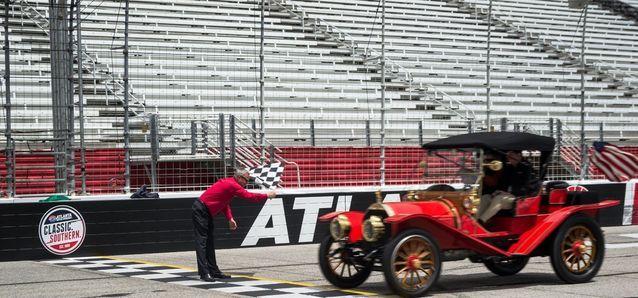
(303, 284)
(364, 293)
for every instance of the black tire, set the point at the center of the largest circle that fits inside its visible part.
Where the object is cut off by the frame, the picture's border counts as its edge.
(394, 250)
(343, 278)
(506, 267)
(586, 230)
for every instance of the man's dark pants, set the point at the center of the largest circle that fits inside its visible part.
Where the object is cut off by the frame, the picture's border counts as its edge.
(204, 240)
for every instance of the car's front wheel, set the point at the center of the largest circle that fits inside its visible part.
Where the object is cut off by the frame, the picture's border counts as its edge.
(412, 263)
(578, 249)
(342, 264)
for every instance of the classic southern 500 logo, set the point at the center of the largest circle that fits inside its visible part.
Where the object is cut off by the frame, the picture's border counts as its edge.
(62, 230)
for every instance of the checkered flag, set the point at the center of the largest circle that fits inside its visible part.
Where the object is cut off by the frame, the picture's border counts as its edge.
(267, 176)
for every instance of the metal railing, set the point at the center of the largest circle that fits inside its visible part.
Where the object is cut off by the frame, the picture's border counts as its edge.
(448, 102)
(190, 154)
(237, 142)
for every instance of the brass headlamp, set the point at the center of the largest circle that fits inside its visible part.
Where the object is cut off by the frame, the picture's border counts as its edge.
(373, 229)
(339, 227)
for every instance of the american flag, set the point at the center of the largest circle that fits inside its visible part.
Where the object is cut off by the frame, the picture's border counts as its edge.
(616, 165)
(267, 176)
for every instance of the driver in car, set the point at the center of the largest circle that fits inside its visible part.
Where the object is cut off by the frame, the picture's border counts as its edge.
(519, 175)
(500, 188)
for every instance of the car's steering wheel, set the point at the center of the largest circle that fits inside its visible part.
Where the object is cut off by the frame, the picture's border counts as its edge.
(440, 187)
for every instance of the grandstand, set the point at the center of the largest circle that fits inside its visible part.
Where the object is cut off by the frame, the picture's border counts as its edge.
(191, 60)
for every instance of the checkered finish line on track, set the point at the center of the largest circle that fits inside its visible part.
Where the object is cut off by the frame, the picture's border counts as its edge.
(245, 286)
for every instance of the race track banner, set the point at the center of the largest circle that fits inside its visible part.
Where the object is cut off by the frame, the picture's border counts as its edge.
(122, 226)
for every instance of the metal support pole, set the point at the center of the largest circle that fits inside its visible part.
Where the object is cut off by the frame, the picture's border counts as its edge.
(601, 136)
(488, 102)
(193, 137)
(383, 86)
(470, 126)
(221, 143)
(312, 133)
(420, 133)
(61, 90)
(231, 139)
(559, 137)
(127, 136)
(551, 127)
(155, 151)
(78, 32)
(262, 134)
(253, 125)
(504, 124)
(70, 150)
(368, 140)
(9, 160)
(205, 127)
(583, 146)
(272, 153)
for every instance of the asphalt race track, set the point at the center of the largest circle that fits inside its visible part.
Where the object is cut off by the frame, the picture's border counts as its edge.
(292, 271)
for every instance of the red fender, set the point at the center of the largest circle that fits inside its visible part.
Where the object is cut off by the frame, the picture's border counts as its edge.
(330, 216)
(447, 237)
(531, 239)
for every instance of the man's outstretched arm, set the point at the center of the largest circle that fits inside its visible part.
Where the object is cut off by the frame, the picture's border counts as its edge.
(255, 197)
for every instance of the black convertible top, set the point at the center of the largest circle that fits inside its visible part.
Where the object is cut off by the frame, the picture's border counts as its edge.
(497, 141)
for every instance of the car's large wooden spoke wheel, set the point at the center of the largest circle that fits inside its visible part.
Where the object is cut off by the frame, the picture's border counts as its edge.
(578, 249)
(413, 264)
(342, 264)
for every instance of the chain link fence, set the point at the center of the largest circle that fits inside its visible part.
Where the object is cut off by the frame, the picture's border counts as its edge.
(107, 97)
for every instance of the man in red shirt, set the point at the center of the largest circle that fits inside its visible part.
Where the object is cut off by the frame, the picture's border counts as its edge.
(214, 200)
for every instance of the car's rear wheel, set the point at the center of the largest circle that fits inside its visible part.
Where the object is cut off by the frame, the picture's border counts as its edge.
(578, 250)
(506, 267)
(412, 263)
(343, 265)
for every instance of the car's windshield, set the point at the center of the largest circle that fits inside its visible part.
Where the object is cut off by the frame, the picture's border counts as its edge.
(451, 166)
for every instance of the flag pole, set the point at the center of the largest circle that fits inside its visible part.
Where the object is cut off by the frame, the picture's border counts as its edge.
(488, 102)
(583, 146)
(582, 4)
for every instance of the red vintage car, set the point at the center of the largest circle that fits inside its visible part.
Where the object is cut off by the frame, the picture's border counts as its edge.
(409, 240)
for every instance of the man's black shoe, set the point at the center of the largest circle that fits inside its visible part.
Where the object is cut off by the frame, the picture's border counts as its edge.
(207, 278)
(220, 275)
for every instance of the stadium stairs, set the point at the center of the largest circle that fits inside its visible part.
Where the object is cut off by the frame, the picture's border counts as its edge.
(600, 73)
